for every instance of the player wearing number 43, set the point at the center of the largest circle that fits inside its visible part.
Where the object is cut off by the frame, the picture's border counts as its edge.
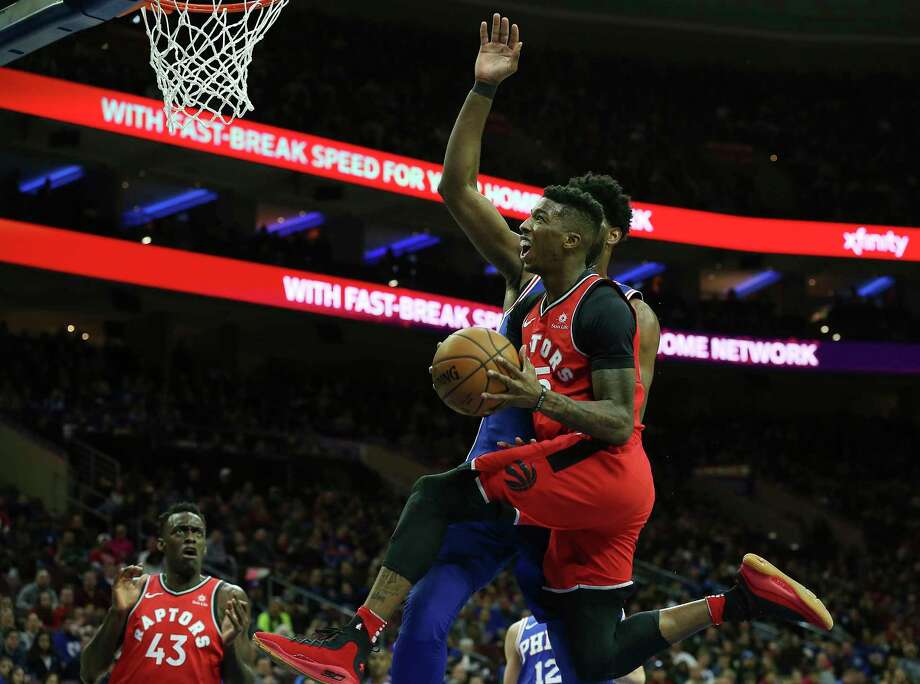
(180, 626)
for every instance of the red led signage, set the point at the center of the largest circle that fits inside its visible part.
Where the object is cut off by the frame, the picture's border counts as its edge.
(144, 118)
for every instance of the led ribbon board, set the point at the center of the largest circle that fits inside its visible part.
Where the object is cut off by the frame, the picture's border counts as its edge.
(140, 117)
(132, 263)
(173, 269)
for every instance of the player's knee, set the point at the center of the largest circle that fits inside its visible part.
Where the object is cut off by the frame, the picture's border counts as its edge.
(422, 621)
(444, 490)
(422, 627)
(426, 486)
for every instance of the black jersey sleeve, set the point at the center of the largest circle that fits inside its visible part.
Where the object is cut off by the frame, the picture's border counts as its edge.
(516, 317)
(604, 329)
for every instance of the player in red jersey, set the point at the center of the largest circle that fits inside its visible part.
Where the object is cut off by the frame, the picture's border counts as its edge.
(180, 626)
(588, 480)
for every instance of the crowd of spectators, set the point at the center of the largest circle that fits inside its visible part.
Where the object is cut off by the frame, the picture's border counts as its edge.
(687, 134)
(65, 387)
(325, 538)
(321, 527)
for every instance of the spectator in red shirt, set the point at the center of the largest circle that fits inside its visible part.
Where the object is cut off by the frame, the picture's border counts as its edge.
(121, 548)
(101, 553)
(65, 607)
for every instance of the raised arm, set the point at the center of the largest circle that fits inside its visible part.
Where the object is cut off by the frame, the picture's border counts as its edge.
(476, 215)
(99, 653)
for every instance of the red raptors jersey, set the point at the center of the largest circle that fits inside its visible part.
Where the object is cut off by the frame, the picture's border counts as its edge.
(172, 636)
(547, 334)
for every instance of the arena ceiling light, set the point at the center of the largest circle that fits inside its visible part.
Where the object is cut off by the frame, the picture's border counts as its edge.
(876, 286)
(56, 178)
(757, 282)
(640, 272)
(167, 207)
(409, 245)
(296, 224)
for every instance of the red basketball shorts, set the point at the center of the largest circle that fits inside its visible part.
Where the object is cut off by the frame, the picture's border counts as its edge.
(594, 498)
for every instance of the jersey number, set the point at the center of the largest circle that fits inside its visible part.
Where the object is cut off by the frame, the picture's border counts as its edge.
(178, 640)
(545, 370)
(552, 672)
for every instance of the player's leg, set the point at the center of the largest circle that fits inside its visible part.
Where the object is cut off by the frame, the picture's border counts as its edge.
(532, 544)
(462, 494)
(562, 490)
(471, 556)
(420, 652)
(603, 648)
(437, 501)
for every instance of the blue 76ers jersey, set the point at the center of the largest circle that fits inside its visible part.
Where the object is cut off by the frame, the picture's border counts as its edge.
(538, 666)
(538, 663)
(509, 423)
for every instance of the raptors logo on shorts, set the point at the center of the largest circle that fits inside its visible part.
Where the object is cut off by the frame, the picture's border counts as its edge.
(172, 636)
(524, 476)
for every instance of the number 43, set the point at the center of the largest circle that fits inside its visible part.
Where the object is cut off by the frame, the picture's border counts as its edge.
(159, 654)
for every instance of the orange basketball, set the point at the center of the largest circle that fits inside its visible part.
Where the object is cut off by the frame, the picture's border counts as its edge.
(460, 365)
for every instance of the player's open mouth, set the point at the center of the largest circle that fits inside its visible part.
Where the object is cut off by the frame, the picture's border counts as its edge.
(525, 247)
(189, 552)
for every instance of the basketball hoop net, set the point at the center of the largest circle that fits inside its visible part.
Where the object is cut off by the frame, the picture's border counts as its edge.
(201, 53)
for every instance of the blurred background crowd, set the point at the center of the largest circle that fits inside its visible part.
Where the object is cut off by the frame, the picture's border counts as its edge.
(306, 544)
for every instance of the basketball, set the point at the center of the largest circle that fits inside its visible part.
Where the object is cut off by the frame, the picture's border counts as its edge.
(459, 370)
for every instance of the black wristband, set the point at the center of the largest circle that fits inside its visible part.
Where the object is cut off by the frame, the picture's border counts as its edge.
(540, 401)
(485, 89)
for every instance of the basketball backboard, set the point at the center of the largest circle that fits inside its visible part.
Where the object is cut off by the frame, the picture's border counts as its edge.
(27, 25)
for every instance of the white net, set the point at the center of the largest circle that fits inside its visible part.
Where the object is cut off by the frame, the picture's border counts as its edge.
(201, 59)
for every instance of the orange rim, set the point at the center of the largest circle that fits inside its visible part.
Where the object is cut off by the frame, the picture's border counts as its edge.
(170, 5)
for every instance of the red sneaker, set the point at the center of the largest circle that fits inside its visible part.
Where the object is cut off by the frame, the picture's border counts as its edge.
(339, 656)
(772, 593)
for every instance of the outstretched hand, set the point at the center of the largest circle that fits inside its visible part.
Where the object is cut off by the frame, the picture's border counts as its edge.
(498, 55)
(127, 588)
(523, 389)
(236, 619)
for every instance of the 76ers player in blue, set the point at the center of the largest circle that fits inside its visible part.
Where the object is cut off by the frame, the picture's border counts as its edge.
(473, 553)
(530, 659)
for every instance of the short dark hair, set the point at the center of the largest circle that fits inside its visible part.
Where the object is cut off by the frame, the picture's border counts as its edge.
(588, 211)
(610, 194)
(180, 507)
